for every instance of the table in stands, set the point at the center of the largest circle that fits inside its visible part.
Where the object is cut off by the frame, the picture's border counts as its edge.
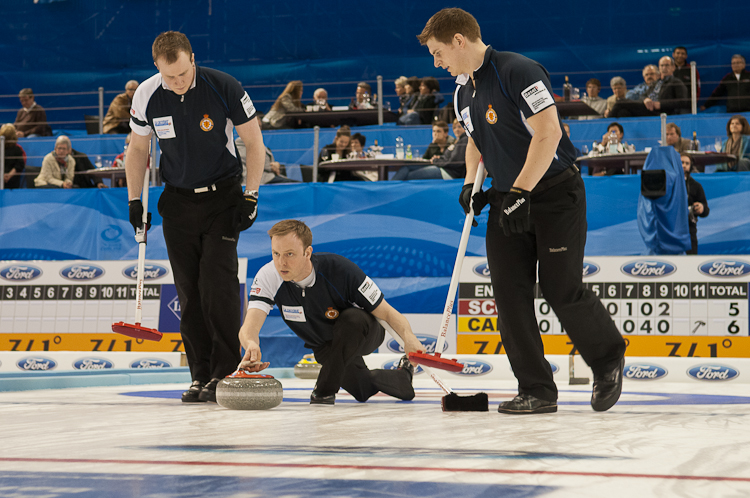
(575, 108)
(381, 165)
(114, 173)
(327, 119)
(631, 162)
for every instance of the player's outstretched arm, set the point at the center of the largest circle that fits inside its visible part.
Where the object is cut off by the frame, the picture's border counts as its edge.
(249, 340)
(400, 325)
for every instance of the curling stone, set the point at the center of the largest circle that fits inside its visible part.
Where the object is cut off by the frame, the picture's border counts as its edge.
(249, 391)
(307, 368)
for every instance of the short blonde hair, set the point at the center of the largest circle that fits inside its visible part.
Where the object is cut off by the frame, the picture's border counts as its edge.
(8, 130)
(297, 227)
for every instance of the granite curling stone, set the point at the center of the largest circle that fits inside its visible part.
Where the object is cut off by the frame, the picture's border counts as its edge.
(249, 391)
(307, 368)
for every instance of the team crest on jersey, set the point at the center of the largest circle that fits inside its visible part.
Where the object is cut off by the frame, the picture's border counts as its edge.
(206, 123)
(332, 314)
(491, 115)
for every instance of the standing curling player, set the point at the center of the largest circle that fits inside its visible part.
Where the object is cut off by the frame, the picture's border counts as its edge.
(537, 213)
(331, 304)
(193, 111)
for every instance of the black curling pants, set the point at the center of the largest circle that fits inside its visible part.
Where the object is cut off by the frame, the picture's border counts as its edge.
(202, 248)
(355, 334)
(556, 241)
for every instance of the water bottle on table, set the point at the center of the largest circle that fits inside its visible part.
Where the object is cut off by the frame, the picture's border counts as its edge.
(399, 148)
(408, 151)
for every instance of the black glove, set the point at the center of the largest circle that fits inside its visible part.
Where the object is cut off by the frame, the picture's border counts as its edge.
(516, 208)
(247, 211)
(136, 215)
(480, 200)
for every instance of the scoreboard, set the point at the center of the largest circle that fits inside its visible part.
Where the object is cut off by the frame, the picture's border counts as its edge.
(663, 306)
(71, 305)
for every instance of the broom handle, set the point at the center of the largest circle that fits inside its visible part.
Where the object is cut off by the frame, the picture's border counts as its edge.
(140, 236)
(478, 181)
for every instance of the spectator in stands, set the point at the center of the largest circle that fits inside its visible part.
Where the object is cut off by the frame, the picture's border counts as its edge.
(81, 179)
(674, 138)
(363, 97)
(737, 144)
(357, 144)
(320, 99)
(423, 111)
(667, 95)
(288, 101)
(697, 203)
(452, 164)
(403, 95)
(682, 72)
(273, 171)
(642, 90)
(411, 87)
(440, 140)
(734, 87)
(592, 98)
(15, 157)
(31, 120)
(117, 119)
(340, 145)
(619, 90)
(566, 127)
(604, 147)
(58, 167)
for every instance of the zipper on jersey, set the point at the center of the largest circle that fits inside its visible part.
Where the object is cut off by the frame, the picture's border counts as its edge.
(184, 107)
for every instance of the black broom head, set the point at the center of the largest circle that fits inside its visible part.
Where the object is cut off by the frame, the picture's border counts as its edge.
(475, 403)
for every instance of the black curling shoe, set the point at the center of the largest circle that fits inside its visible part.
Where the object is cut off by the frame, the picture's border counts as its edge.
(607, 388)
(208, 393)
(192, 395)
(526, 404)
(322, 400)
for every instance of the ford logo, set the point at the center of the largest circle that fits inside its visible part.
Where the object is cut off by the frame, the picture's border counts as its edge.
(80, 271)
(16, 273)
(482, 269)
(554, 368)
(644, 371)
(724, 268)
(428, 342)
(36, 363)
(150, 272)
(92, 364)
(590, 269)
(648, 268)
(713, 372)
(150, 363)
(393, 365)
(474, 368)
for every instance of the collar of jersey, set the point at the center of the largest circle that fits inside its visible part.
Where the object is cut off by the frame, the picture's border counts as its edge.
(195, 78)
(462, 79)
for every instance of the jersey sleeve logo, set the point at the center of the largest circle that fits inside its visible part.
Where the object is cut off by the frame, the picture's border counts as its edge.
(247, 105)
(206, 123)
(370, 291)
(490, 115)
(537, 97)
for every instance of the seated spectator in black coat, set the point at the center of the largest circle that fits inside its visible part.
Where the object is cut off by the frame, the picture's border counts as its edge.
(451, 165)
(682, 72)
(15, 157)
(668, 95)
(734, 87)
(423, 111)
(440, 140)
(81, 179)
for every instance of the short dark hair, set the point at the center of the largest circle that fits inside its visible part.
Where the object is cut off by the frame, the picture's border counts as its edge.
(359, 138)
(432, 83)
(618, 126)
(680, 47)
(169, 45)
(297, 227)
(441, 124)
(448, 22)
(365, 85)
(594, 82)
(413, 82)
